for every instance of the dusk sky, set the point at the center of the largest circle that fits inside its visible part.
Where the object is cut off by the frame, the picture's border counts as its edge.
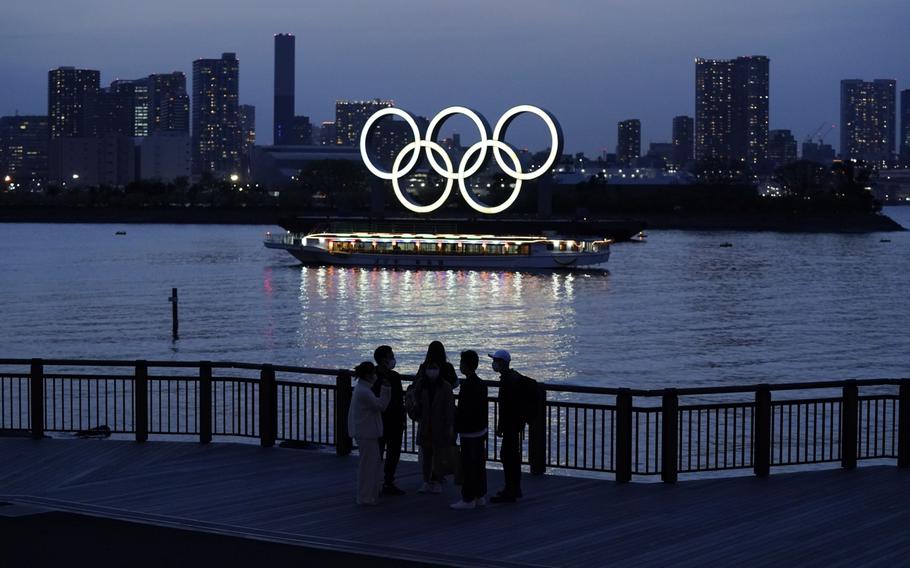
(592, 63)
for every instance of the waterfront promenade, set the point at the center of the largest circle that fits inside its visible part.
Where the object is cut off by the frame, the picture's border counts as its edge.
(305, 498)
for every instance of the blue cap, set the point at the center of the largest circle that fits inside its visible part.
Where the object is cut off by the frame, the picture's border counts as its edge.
(501, 354)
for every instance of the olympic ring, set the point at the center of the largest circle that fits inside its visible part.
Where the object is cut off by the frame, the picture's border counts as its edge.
(464, 170)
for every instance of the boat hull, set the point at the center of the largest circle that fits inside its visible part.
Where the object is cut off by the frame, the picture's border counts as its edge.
(556, 260)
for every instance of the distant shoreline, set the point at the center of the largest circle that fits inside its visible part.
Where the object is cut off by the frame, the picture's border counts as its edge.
(842, 223)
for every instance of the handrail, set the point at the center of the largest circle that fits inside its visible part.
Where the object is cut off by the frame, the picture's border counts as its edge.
(550, 387)
(618, 436)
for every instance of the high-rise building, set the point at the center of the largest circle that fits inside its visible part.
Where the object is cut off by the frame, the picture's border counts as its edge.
(169, 104)
(868, 115)
(628, 146)
(301, 131)
(73, 102)
(248, 136)
(905, 128)
(731, 115)
(781, 148)
(23, 149)
(284, 89)
(327, 134)
(818, 152)
(125, 108)
(683, 141)
(389, 137)
(350, 116)
(217, 139)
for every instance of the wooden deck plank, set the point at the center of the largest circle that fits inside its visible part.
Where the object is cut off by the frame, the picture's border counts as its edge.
(563, 521)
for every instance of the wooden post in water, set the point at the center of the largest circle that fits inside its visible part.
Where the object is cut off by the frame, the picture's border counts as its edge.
(37, 393)
(343, 442)
(174, 317)
(761, 437)
(669, 424)
(624, 432)
(903, 429)
(205, 402)
(267, 407)
(141, 401)
(848, 420)
(537, 435)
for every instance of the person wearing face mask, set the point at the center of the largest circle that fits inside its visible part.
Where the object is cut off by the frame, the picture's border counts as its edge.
(471, 418)
(516, 393)
(436, 353)
(436, 423)
(365, 426)
(393, 418)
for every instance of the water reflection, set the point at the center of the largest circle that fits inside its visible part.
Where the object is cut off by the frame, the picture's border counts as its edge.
(351, 311)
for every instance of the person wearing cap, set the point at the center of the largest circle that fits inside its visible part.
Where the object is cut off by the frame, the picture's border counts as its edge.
(510, 425)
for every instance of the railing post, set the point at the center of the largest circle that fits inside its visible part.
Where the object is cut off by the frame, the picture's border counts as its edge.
(848, 422)
(343, 442)
(623, 442)
(205, 402)
(268, 411)
(761, 437)
(669, 437)
(537, 435)
(903, 429)
(141, 401)
(37, 402)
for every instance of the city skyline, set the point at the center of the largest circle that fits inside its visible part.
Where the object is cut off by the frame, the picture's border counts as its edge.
(533, 61)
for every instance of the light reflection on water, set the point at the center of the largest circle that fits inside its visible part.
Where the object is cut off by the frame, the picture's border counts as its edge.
(677, 310)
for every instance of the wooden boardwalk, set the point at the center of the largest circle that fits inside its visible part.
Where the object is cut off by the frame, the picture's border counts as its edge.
(831, 518)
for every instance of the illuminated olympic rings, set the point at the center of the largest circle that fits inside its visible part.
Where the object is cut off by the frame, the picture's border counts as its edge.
(411, 153)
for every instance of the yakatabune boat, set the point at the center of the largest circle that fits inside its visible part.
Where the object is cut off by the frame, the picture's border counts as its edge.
(444, 251)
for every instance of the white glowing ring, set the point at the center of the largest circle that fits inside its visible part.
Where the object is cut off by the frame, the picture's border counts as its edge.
(366, 131)
(482, 127)
(415, 147)
(476, 205)
(503, 124)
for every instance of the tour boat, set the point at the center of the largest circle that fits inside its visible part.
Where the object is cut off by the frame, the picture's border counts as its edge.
(442, 251)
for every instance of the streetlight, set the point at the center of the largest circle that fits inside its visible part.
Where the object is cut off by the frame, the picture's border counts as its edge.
(7, 179)
(235, 178)
(75, 176)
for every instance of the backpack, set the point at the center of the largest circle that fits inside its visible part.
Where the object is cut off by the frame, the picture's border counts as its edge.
(412, 402)
(530, 399)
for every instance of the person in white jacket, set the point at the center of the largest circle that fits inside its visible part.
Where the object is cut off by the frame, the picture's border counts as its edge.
(365, 426)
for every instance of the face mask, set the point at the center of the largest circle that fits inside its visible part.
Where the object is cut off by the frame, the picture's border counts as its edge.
(432, 374)
(391, 364)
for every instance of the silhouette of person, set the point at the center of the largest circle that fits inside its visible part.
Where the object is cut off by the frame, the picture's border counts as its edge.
(514, 393)
(471, 419)
(393, 418)
(365, 426)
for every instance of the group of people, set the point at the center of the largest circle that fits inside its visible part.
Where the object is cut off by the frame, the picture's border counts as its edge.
(380, 407)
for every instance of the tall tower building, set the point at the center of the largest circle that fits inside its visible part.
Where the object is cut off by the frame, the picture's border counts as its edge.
(781, 148)
(731, 114)
(169, 104)
(628, 147)
(905, 128)
(73, 101)
(217, 140)
(683, 141)
(125, 108)
(284, 89)
(868, 115)
(23, 149)
(350, 116)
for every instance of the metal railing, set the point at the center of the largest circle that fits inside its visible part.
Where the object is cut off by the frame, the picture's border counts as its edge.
(622, 431)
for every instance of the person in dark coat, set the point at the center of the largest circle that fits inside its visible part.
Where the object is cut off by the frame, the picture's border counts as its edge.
(513, 392)
(436, 353)
(393, 419)
(435, 424)
(471, 419)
